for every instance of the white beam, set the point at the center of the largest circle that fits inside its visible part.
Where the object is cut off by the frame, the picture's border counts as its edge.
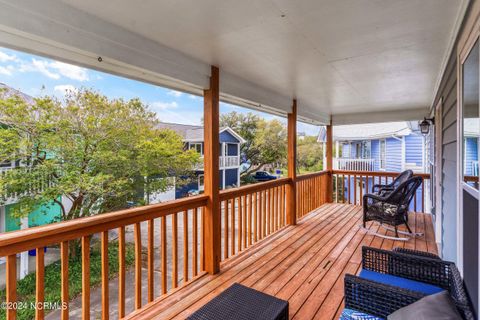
(384, 116)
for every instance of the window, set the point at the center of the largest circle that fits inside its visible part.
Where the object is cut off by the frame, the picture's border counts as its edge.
(201, 182)
(383, 154)
(470, 118)
(198, 147)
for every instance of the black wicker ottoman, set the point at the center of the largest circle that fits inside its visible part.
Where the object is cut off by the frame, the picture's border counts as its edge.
(242, 303)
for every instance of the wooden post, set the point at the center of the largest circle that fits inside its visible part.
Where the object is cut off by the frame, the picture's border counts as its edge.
(211, 174)
(329, 163)
(292, 165)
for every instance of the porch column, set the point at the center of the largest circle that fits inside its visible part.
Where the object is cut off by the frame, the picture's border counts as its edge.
(329, 163)
(211, 170)
(292, 165)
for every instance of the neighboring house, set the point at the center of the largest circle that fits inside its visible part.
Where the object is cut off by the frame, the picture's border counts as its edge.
(43, 215)
(229, 161)
(470, 140)
(388, 147)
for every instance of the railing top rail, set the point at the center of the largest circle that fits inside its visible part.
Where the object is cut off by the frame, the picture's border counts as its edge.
(241, 191)
(378, 173)
(311, 175)
(36, 237)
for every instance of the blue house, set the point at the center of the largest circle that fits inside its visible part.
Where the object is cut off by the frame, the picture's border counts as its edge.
(388, 147)
(229, 161)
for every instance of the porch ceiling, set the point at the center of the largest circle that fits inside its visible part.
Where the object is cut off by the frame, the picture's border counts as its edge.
(339, 58)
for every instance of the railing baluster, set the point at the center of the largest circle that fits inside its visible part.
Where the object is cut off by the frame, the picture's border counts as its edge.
(64, 279)
(11, 287)
(163, 245)
(150, 261)
(244, 221)
(202, 240)
(174, 250)
(250, 211)
(264, 213)
(40, 283)
(138, 265)
(121, 272)
(195, 242)
(255, 217)
(239, 232)
(104, 258)
(232, 242)
(86, 278)
(225, 229)
(185, 246)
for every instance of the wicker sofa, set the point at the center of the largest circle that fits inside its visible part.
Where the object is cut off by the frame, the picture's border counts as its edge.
(420, 268)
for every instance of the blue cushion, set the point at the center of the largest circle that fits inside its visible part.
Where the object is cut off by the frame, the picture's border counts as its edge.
(400, 282)
(349, 314)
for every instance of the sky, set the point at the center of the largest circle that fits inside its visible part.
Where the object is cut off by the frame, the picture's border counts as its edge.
(38, 76)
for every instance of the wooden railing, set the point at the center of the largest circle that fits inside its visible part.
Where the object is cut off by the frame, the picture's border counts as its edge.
(251, 213)
(311, 192)
(350, 186)
(176, 247)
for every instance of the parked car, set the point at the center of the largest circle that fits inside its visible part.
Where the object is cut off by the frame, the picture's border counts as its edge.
(263, 176)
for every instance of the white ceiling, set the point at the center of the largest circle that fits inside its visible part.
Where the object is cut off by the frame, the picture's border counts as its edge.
(341, 57)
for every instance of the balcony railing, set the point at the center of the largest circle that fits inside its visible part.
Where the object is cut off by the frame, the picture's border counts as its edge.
(247, 215)
(352, 164)
(224, 162)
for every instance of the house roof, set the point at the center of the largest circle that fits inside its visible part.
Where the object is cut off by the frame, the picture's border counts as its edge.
(194, 133)
(369, 131)
(9, 92)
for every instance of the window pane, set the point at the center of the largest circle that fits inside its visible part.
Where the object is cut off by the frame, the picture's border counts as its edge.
(471, 124)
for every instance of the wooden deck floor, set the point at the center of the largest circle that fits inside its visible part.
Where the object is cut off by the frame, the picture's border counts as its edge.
(304, 264)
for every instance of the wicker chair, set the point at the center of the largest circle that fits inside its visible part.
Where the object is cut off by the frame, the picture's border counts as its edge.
(391, 208)
(383, 189)
(380, 299)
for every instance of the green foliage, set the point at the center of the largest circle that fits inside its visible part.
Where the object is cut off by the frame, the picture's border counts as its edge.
(99, 153)
(309, 155)
(266, 141)
(26, 286)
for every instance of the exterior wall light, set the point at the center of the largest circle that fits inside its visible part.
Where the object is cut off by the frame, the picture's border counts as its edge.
(425, 125)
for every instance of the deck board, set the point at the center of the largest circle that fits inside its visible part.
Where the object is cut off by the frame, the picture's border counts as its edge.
(304, 264)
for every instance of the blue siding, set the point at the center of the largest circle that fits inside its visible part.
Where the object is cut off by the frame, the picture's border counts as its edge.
(346, 151)
(232, 149)
(471, 154)
(375, 153)
(414, 146)
(226, 136)
(394, 155)
(231, 177)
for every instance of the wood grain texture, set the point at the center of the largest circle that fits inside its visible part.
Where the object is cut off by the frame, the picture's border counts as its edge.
(86, 278)
(40, 283)
(292, 164)
(105, 276)
(64, 279)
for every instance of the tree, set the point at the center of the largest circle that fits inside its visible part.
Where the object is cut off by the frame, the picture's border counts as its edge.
(309, 154)
(97, 152)
(266, 141)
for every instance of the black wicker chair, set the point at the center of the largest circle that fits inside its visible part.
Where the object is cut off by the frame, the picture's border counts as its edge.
(380, 300)
(391, 208)
(383, 189)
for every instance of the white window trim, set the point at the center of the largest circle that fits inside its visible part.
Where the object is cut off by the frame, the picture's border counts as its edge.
(384, 155)
(193, 145)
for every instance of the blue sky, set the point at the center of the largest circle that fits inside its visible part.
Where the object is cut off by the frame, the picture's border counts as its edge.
(36, 76)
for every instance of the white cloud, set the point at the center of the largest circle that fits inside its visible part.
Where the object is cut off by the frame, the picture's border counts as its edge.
(65, 88)
(161, 106)
(55, 70)
(193, 97)
(190, 117)
(70, 71)
(4, 57)
(8, 70)
(175, 93)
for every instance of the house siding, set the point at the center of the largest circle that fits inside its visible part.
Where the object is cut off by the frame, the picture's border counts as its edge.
(226, 136)
(231, 177)
(393, 155)
(448, 93)
(414, 148)
(232, 149)
(375, 154)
